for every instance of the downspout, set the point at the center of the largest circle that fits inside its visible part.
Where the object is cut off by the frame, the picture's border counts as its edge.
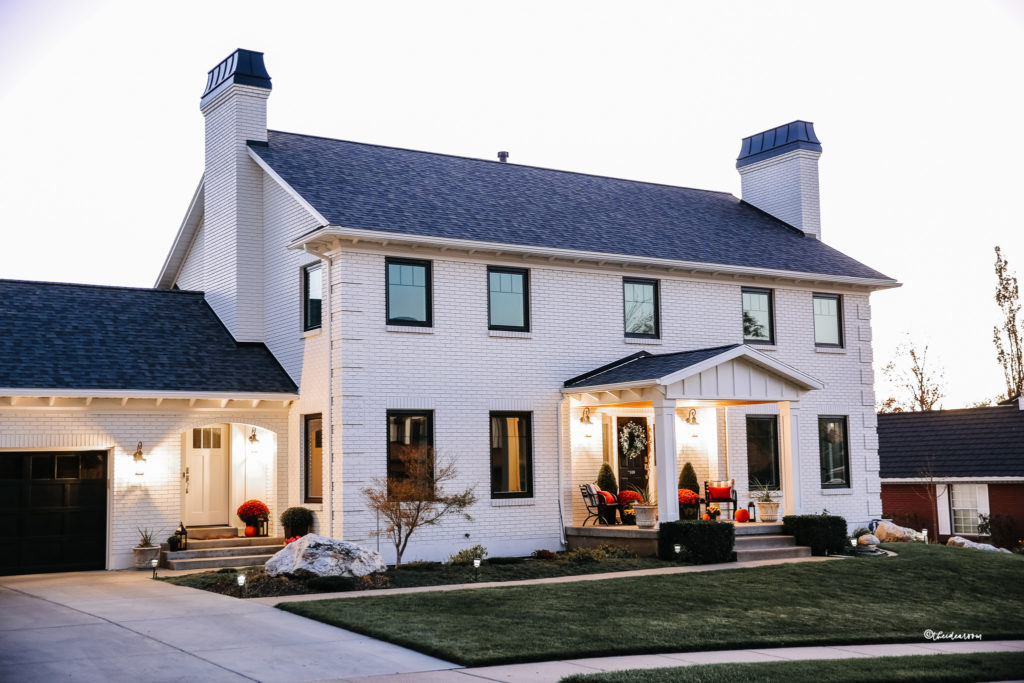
(561, 493)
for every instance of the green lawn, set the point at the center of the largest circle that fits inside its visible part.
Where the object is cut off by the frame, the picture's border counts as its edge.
(995, 666)
(816, 603)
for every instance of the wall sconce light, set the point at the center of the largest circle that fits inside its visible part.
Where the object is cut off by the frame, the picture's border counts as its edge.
(588, 425)
(139, 459)
(691, 419)
(252, 437)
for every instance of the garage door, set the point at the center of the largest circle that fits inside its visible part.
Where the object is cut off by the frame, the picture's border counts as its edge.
(53, 511)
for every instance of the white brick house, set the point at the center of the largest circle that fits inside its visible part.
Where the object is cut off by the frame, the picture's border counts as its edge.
(459, 298)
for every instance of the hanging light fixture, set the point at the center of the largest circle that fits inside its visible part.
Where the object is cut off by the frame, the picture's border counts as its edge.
(691, 419)
(587, 423)
(252, 437)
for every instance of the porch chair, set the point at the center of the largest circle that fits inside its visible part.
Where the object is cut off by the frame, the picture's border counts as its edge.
(598, 508)
(723, 493)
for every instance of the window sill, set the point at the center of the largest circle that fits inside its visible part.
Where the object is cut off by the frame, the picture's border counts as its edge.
(510, 502)
(837, 492)
(410, 329)
(830, 349)
(510, 334)
(312, 333)
(642, 340)
(760, 346)
(315, 507)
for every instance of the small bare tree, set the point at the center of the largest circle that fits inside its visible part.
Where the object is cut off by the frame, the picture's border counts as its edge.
(1009, 339)
(922, 386)
(413, 496)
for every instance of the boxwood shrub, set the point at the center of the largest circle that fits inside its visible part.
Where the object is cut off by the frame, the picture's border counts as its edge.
(704, 542)
(826, 534)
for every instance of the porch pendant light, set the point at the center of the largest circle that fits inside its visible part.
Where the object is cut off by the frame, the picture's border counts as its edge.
(691, 419)
(252, 437)
(587, 423)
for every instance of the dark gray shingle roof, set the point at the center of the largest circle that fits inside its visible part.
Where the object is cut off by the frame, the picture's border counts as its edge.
(397, 190)
(67, 336)
(643, 366)
(975, 442)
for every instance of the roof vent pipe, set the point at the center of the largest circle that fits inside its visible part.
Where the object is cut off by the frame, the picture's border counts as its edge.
(503, 157)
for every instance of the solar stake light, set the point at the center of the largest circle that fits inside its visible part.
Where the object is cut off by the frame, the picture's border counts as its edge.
(153, 563)
(241, 585)
(476, 569)
(678, 548)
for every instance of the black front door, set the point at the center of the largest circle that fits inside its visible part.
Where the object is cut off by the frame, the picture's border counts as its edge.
(633, 472)
(53, 511)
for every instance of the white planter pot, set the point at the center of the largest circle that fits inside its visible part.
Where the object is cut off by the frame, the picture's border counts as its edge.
(145, 556)
(768, 512)
(646, 516)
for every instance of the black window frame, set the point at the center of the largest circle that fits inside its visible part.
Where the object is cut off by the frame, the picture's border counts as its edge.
(428, 293)
(771, 314)
(525, 272)
(307, 456)
(777, 484)
(429, 415)
(838, 298)
(657, 307)
(845, 420)
(306, 270)
(528, 492)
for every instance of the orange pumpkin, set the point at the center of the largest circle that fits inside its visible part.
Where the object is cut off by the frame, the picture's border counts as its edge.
(707, 516)
(250, 531)
(742, 516)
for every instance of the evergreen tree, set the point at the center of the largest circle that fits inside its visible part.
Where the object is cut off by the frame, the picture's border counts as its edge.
(606, 480)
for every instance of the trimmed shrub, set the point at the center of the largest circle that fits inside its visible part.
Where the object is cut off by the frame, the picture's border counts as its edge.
(467, 555)
(704, 542)
(542, 554)
(606, 480)
(688, 479)
(825, 534)
(298, 520)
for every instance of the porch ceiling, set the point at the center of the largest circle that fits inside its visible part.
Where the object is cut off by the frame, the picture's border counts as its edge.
(726, 375)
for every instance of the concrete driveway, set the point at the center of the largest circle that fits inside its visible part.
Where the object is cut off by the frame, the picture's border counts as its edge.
(123, 626)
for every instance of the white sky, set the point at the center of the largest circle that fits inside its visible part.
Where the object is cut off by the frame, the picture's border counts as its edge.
(918, 105)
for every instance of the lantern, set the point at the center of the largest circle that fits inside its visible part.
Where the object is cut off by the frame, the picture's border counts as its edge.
(750, 509)
(183, 532)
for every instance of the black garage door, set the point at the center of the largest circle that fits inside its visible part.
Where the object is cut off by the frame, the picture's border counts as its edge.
(53, 511)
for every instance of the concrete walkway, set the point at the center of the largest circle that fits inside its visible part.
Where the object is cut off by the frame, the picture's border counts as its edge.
(123, 626)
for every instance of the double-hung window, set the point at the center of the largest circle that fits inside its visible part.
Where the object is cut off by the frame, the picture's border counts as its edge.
(828, 320)
(511, 455)
(640, 308)
(408, 292)
(313, 458)
(312, 296)
(758, 321)
(508, 299)
(410, 472)
(834, 449)
(963, 502)
(763, 451)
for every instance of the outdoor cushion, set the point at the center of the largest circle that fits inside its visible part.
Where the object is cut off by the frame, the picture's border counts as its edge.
(720, 493)
(609, 499)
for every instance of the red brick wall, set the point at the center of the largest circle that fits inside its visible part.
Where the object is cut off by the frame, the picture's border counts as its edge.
(909, 505)
(1007, 500)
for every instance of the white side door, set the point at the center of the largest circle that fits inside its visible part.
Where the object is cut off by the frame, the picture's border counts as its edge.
(205, 476)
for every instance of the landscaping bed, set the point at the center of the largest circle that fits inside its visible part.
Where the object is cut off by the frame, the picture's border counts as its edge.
(869, 600)
(582, 561)
(990, 666)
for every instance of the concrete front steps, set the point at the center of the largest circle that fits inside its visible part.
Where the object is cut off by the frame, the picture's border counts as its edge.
(766, 542)
(217, 547)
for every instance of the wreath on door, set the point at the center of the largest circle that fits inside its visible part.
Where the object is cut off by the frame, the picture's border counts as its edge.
(633, 440)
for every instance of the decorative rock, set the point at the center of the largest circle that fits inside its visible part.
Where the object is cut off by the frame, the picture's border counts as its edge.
(321, 556)
(887, 532)
(965, 543)
(868, 539)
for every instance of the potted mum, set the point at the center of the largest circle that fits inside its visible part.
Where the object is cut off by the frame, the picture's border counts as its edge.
(146, 551)
(626, 500)
(689, 504)
(297, 521)
(255, 515)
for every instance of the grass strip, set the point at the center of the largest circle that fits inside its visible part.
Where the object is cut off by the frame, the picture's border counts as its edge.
(989, 666)
(817, 603)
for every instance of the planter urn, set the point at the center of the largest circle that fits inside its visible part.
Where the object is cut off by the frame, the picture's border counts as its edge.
(144, 556)
(646, 516)
(768, 512)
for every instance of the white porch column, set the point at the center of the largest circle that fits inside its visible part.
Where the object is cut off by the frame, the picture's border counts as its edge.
(789, 446)
(665, 452)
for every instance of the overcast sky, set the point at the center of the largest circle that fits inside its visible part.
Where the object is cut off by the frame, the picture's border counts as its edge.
(918, 106)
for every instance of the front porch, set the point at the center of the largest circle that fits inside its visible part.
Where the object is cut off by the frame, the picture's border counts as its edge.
(732, 412)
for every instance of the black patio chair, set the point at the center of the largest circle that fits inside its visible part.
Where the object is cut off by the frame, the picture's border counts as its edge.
(598, 508)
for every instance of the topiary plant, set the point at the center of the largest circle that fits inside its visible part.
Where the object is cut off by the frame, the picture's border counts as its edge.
(297, 521)
(688, 479)
(606, 480)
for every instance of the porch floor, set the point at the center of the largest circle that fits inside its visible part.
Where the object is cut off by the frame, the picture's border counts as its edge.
(645, 541)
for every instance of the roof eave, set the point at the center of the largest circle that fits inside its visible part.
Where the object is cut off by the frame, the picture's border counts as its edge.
(43, 392)
(330, 237)
(183, 240)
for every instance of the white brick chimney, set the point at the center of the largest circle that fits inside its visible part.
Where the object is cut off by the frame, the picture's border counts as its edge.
(779, 174)
(235, 107)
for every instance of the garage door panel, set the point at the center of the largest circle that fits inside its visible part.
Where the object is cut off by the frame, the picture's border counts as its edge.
(52, 511)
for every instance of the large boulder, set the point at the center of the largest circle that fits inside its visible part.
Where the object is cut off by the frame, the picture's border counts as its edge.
(967, 543)
(314, 555)
(868, 539)
(887, 532)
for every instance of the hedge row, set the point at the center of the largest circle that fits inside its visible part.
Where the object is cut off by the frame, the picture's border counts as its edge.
(703, 542)
(826, 534)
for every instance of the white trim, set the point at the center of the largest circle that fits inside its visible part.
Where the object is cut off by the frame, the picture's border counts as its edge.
(982, 497)
(787, 372)
(942, 508)
(182, 244)
(576, 255)
(124, 393)
(286, 187)
(952, 480)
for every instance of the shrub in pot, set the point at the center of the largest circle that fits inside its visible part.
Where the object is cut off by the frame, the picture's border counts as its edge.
(146, 551)
(297, 521)
(606, 480)
(174, 543)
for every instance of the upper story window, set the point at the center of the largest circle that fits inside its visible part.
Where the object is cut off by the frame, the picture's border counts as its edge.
(408, 292)
(411, 454)
(834, 449)
(313, 458)
(640, 307)
(312, 296)
(508, 299)
(511, 455)
(828, 316)
(758, 325)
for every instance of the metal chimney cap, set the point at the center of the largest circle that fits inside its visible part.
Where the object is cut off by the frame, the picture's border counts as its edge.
(503, 157)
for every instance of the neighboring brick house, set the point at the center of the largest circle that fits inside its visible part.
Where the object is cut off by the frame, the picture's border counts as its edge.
(941, 469)
(514, 319)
